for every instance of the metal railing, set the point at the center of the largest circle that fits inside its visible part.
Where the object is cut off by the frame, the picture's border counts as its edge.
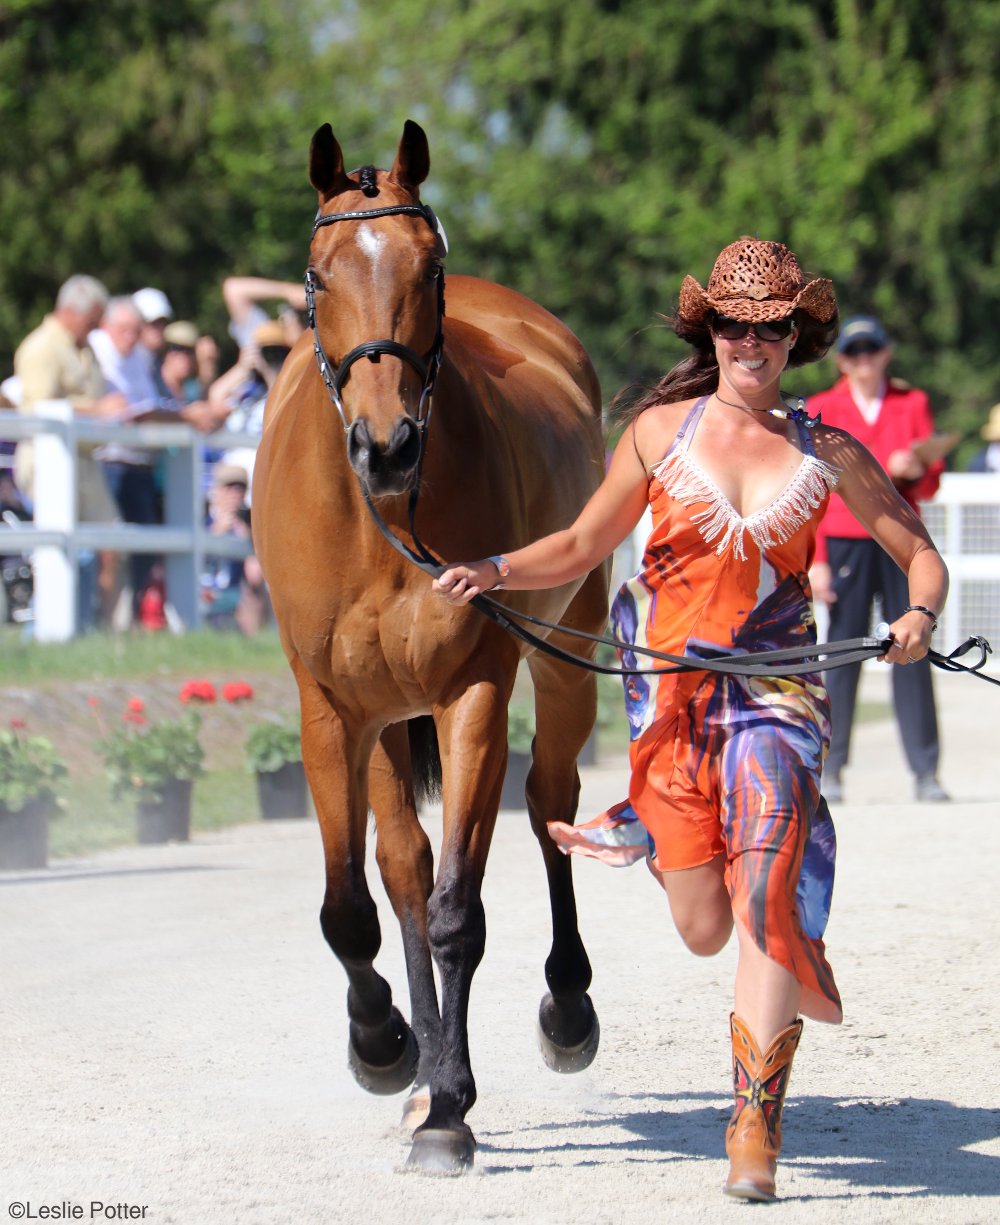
(56, 538)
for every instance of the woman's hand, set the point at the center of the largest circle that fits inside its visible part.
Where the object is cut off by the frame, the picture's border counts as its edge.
(459, 584)
(911, 635)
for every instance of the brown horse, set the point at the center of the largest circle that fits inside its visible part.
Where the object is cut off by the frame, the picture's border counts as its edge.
(514, 451)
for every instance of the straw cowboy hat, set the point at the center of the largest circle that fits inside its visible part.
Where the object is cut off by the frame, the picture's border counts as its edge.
(991, 430)
(754, 280)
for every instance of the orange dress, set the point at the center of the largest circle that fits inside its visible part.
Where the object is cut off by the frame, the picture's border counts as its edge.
(724, 764)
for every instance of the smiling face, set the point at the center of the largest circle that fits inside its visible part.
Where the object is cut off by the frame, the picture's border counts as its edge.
(751, 368)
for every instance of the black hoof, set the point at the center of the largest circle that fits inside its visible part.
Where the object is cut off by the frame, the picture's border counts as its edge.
(393, 1077)
(442, 1150)
(563, 1056)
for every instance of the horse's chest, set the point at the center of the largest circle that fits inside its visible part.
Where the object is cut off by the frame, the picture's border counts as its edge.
(380, 658)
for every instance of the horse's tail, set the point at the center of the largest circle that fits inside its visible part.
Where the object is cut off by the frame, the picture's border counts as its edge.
(425, 759)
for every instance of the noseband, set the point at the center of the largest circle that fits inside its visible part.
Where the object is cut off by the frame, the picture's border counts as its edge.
(334, 377)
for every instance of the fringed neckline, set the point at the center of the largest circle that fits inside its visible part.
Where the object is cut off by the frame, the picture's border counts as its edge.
(688, 483)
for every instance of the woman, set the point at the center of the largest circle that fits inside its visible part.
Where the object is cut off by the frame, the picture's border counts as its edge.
(724, 799)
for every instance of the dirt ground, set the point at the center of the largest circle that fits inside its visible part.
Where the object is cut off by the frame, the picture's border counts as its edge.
(174, 1032)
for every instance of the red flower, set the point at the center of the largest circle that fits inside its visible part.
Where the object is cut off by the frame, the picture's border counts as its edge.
(17, 725)
(237, 691)
(93, 702)
(133, 716)
(198, 691)
(137, 705)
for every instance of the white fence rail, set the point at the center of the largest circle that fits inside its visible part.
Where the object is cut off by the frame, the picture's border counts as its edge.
(56, 539)
(964, 520)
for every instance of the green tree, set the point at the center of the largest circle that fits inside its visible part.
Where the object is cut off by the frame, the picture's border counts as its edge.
(587, 152)
(148, 144)
(593, 152)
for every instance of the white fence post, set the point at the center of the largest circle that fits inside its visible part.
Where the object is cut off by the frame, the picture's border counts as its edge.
(55, 566)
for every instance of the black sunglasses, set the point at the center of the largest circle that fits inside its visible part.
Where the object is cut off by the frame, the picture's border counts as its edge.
(861, 348)
(766, 329)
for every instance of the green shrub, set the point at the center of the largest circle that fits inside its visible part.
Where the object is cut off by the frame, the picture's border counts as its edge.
(272, 744)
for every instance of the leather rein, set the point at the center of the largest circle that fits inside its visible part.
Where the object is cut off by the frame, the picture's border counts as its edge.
(789, 661)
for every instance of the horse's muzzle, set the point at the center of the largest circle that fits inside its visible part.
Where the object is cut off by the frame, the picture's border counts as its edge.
(389, 467)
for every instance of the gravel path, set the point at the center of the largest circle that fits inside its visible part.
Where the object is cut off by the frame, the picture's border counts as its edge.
(174, 1033)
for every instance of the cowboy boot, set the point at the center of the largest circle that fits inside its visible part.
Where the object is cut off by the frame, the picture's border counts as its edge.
(753, 1137)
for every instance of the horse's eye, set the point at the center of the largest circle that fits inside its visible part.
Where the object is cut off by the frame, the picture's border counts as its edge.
(317, 280)
(434, 271)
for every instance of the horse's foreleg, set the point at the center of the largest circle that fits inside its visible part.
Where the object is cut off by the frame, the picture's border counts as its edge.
(473, 743)
(406, 862)
(565, 709)
(382, 1052)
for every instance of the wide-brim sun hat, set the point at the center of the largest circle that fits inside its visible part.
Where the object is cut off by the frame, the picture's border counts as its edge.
(755, 280)
(991, 430)
(271, 334)
(182, 334)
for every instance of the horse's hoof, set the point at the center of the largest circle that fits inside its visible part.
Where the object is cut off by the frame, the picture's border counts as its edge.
(442, 1150)
(575, 1056)
(394, 1077)
(416, 1108)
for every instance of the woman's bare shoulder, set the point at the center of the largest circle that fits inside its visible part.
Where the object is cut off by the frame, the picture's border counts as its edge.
(656, 428)
(836, 446)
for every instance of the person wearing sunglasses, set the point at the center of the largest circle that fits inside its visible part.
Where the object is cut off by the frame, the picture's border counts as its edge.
(851, 572)
(724, 801)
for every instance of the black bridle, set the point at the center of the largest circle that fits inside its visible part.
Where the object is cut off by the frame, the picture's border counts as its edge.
(790, 661)
(427, 368)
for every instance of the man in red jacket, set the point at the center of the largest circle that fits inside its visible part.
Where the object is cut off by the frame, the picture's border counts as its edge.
(850, 569)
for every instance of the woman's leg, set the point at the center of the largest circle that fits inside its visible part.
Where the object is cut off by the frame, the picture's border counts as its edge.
(699, 904)
(767, 995)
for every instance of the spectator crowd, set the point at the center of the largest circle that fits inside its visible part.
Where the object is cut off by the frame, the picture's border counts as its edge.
(126, 359)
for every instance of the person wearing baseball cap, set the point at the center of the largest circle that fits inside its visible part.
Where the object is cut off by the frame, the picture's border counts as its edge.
(154, 307)
(851, 570)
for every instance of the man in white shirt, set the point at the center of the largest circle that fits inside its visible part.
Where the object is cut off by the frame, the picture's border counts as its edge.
(131, 471)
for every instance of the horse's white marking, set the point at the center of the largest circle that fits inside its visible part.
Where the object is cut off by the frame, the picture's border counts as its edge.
(370, 242)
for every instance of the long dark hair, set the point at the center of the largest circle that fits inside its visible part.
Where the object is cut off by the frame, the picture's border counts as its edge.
(698, 374)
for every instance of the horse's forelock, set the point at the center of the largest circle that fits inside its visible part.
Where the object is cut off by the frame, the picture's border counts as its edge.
(367, 176)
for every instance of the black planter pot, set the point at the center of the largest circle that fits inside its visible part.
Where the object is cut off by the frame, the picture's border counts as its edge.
(167, 819)
(283, 793)
(24, 835)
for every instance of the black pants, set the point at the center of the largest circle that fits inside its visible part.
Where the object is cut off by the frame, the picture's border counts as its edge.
(133, 487)
(862, 571)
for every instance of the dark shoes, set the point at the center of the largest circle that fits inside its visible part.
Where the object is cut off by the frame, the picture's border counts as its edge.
(929, 791)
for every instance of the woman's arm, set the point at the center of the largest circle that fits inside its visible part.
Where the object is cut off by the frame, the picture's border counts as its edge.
(874, 501)
(611, 513)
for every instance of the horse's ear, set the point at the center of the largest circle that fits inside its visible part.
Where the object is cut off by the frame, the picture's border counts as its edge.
(413, 159)
(326, 164)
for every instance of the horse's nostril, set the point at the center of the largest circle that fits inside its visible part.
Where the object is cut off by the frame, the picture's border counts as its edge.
(359, 442)
(404, 445)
